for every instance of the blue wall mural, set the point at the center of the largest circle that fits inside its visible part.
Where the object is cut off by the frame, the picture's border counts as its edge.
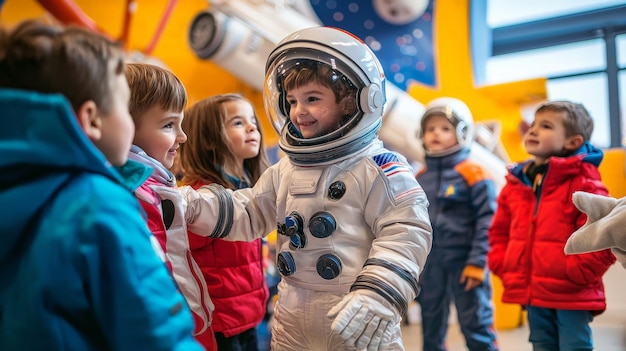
(403, 43)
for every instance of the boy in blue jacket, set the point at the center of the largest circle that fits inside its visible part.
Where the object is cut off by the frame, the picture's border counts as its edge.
(78, 268)
(462, 203)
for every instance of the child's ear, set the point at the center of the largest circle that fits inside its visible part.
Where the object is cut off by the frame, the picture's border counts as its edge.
(574, 142)
(90, 120)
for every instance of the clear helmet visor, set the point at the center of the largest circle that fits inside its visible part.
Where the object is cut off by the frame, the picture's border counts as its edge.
(297, 67)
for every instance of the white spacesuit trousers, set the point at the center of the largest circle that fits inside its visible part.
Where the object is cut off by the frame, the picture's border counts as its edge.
(301, 322)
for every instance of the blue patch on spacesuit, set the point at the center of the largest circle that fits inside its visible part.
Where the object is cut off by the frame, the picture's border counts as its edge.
(389, 164)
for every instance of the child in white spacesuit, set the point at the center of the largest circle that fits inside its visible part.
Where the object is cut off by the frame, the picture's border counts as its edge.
(353, 225)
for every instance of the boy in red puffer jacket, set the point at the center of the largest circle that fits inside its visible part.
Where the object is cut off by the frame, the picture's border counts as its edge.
(535, 217)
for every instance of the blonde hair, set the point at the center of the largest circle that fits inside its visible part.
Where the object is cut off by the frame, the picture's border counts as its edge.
(151, 86)
(206, 150)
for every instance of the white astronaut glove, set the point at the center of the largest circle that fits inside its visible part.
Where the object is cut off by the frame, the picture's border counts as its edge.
(606, 220)
(364, 319)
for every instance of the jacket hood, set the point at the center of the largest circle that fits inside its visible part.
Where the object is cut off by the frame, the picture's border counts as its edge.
(41, 146)
(586, 154)
(160, 173)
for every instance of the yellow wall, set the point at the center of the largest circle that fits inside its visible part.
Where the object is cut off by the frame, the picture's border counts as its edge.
(613, 170)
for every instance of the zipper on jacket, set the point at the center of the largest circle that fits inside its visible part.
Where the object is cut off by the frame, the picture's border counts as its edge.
(537, 188)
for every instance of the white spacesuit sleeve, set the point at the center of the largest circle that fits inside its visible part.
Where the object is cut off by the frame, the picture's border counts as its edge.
(396, 210)
(211, 213)
(216, 212)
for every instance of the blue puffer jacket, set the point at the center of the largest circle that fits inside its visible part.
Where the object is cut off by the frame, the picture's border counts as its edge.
(462, 203)
(77, 268)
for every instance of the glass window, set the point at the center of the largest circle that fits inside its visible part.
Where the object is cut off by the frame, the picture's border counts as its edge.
(579, 57)
(506, 12)
(591, 91)
(620, 42)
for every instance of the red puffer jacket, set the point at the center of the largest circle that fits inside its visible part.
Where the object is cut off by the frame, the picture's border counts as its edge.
(528, 234)
(233, 271)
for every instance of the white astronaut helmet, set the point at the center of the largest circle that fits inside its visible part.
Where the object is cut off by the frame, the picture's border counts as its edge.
(354, 68)
(459, 115)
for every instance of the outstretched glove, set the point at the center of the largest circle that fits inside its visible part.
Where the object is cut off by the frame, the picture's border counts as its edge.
(364, 319)
(605, 227)
(207, 211)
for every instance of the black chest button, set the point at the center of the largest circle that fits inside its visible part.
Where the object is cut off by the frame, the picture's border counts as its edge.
(336, 190)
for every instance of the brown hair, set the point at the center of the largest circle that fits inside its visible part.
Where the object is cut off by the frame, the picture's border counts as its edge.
(577, 120)
(151, 86)
(52, 59)
(206, 150)
(321, 74)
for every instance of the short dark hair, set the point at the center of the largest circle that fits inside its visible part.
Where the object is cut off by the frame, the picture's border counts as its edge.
(53, 59)
(577, 119)
(322, 74)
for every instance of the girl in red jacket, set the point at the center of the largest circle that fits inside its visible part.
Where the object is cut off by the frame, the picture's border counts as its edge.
(535, 217)
(225, 146)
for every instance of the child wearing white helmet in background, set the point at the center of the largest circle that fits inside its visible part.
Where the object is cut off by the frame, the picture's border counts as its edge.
(462, 203)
